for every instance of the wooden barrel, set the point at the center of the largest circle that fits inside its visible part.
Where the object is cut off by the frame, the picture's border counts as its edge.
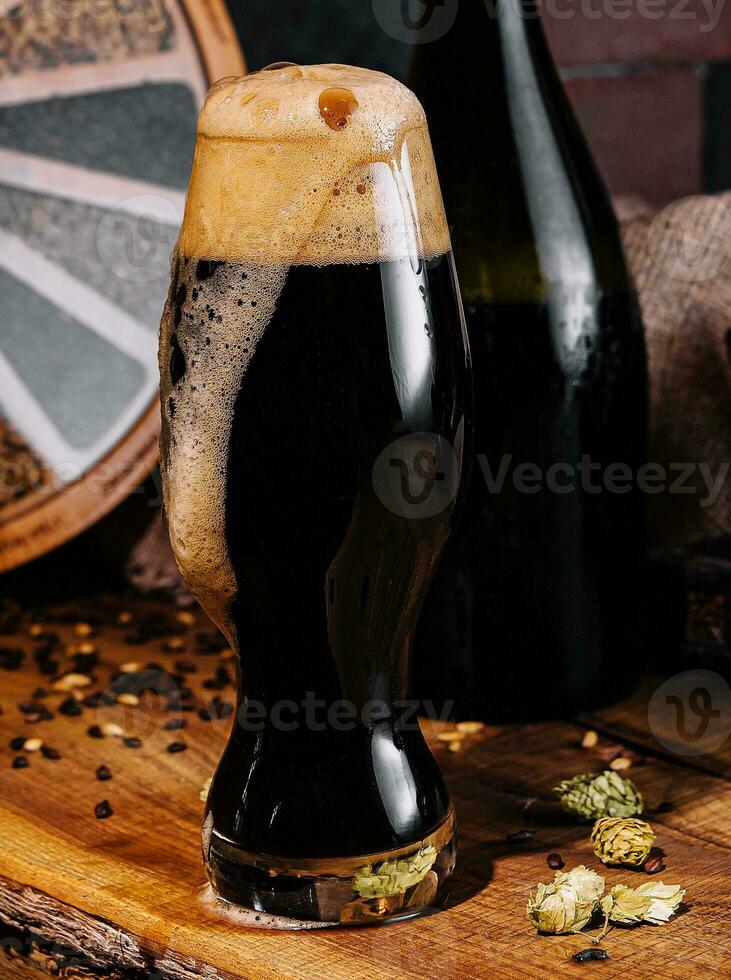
(98, 106)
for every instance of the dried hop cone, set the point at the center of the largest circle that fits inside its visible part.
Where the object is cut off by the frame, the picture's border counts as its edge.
(394, 877)
(622, 841)
(603, 794)
(653, 902)
(568, 903)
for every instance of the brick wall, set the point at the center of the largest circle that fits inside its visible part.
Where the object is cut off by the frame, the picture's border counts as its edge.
(651, 83)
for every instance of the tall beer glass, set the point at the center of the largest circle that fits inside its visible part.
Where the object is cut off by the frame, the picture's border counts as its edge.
(315, 387)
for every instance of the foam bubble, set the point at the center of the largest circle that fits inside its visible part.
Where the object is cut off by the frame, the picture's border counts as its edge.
(236, 915)
(273, 181)
(210, 327)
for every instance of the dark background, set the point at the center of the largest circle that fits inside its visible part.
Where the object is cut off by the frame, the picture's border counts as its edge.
(651, 84)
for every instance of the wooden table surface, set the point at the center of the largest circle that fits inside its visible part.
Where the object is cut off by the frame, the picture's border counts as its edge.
(127, 897)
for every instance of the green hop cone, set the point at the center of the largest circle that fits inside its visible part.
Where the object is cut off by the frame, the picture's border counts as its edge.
(602, 794)
(624, 906)
(664, 899)
(587, 884)
(394, 877)
(622, 840)
(568, 903)
(653, 902)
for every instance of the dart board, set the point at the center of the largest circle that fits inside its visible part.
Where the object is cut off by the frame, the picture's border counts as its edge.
(98, 105)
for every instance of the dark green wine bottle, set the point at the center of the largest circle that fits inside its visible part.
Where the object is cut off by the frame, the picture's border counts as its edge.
(534, 610)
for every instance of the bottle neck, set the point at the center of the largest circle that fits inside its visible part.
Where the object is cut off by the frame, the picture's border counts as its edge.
(524, 201)
(486, 22)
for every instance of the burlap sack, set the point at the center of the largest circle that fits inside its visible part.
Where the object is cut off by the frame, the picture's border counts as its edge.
(681, 261)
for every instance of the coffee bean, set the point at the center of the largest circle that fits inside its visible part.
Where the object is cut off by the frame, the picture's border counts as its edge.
(10, 614)
(42, 652)
(103, 810)
(29, 707)
(71, 708)
(219, 682)
(653, 865)
(586, 955)
(20, 762)
(85, 662)
(210, 643)
(11, 658)
(520, 836)
(175, 747)
(103, 774)
(95, 732)
(175, 724)
(17, 743)
(132, 742)
(555, 861)
(50, 753)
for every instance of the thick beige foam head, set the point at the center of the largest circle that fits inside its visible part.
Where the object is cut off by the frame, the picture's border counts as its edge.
(288, 170)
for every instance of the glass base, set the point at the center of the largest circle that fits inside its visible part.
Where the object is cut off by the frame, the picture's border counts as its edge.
(366, 889)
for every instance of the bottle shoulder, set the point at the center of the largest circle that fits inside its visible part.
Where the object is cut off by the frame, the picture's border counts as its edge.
(526, 204)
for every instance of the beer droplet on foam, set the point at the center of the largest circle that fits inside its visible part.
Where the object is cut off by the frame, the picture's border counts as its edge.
(336, 104)
(288, 68)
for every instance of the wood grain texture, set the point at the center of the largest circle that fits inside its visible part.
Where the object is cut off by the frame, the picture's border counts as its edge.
(126, 897)
(628, 722)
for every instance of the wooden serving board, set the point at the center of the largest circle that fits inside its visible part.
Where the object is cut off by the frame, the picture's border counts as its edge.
(127, 897)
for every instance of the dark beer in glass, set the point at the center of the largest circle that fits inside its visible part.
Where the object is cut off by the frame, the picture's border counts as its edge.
(315, 395)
